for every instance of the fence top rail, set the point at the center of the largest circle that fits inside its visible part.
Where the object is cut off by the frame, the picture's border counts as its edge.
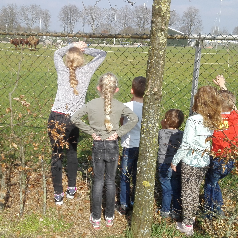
(126, 36)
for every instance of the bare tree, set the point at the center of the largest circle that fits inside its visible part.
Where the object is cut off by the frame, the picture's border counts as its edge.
(191, 21)
(30, 15)
(93, 16)
(217, 31)
(174, 19)
(142, 216)
(142, 18)
(108, 21)
(124, 19)
(69, 15)
(45, 19)
(235, 31)
(83, 19)
(9, 17)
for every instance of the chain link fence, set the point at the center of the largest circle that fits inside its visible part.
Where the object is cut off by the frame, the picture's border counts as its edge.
(28, 82)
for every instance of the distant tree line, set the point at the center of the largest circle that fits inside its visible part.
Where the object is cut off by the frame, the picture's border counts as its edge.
(191, 23)
(93, 19)
(24, 18)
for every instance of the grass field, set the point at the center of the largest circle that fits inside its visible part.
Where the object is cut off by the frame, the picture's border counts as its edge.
(29, 77)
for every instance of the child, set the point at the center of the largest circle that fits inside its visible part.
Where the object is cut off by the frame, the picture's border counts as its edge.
(73, 81)
(170, 138)
(221, 163)
(194, 151)
(130, 143)
(104, 115)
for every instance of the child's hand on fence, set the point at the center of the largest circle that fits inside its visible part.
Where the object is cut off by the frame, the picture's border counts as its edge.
(113, 136)
(163, 124)
(220, 81)
(81, 45)
(95, 137)
(173, 167)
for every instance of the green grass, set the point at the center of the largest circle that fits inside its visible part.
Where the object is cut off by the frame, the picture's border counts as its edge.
(34, 224)
(38, 84)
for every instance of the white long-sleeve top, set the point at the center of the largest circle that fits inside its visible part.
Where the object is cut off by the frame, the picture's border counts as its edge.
(66, 101)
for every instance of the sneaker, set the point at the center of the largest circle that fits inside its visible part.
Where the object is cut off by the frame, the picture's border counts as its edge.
(59, 198)
(123, 209)
(71, 192)
(188, 230)
(176, 216)
(109, 221)
(94, 222)
(164, 214)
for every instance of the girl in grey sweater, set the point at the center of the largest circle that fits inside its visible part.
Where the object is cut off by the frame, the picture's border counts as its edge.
(73, 80)
(104, 115)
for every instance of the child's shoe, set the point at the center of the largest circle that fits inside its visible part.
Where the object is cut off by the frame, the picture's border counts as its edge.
(71, 192)
(164, 214)
(123, 210)
(94, 222)
(59, 198)
(109, 221)
(188, 230)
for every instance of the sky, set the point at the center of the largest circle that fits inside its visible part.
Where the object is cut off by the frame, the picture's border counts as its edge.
(219, 13)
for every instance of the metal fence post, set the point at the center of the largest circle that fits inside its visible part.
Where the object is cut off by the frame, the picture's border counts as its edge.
(196, 68)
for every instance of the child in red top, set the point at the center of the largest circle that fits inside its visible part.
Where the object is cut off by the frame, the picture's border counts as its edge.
(224, 143)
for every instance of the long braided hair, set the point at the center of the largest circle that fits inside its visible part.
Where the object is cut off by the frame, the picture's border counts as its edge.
(74, 59)
(108, 85)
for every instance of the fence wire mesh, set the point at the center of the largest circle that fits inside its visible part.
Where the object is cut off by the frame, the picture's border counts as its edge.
(28, 82)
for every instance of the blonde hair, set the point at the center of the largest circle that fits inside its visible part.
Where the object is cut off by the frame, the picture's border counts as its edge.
(74, 59)
(228, 100)
(108, 85)
(207, 103)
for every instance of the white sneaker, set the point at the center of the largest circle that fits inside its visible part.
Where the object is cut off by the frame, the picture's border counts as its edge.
(94, 222)
(71, 192)
(59, 198)
(188, 230)
(109, 221)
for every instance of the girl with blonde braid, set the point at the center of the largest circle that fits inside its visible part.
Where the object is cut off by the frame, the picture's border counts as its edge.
(104, 115)
(73, 80)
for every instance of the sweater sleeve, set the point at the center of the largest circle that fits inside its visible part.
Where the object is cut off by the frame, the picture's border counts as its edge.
(99, 56)
(58, 57)
(76, 119)
(132, 120)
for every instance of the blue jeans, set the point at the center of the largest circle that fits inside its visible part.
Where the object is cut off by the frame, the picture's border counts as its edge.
(171, 187)
(105, 159)
(218, 169)
(128, 171)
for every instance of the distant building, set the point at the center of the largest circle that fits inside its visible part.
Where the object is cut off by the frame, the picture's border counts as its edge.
(176, 42)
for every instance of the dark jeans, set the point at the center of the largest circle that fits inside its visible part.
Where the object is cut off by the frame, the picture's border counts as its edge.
(105, 159)
(128, 171)
(64, 139)
(218, 169)
(171, 187)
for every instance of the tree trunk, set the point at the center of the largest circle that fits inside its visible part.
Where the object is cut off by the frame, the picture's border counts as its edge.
(142, 217)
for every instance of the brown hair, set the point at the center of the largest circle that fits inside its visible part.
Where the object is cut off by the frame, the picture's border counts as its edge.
(228, 100)
(74, 59)
(207, 103)
(108, 85)
(174, 118)
(138, 86)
